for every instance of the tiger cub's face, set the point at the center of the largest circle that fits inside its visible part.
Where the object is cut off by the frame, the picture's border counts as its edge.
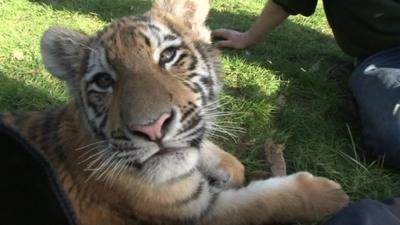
(144, 85)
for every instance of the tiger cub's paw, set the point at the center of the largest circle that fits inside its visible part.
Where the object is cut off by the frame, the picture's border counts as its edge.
(321, 196)
(228, 174)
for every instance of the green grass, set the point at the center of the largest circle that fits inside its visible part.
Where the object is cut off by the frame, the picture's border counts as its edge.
(299, 61)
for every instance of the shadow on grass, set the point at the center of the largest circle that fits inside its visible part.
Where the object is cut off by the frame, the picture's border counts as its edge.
(15, 95)
(104, 9)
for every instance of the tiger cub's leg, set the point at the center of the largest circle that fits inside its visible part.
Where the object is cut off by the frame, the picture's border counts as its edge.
(295, 198)
(221, 168)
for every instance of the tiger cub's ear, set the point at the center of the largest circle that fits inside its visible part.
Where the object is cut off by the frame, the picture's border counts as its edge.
(62, 51)
(193, 13)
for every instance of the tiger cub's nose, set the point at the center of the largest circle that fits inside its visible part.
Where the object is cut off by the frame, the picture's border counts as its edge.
(155, 130)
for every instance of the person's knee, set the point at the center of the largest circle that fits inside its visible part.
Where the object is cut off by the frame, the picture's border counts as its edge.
(382, 142)
(363, 212)
(376, 94)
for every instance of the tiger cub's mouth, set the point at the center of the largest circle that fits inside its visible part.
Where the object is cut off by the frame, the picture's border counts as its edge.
(157, 149)
(163, 151)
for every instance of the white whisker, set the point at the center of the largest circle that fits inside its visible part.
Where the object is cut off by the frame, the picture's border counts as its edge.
(214, 135)
(99, 153)
(110, 175)
(95, 143)
(87, 152)
(123, 168)
(106, 165)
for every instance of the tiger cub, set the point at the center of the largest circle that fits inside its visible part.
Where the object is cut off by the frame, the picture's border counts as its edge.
(131, 145)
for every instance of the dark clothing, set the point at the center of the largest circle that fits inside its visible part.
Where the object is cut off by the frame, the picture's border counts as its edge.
(375, 85)
(30, 192)
(361, 27)
(368, 29)
(369, 212)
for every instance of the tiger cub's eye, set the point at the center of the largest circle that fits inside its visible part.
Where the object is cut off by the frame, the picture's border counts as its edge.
(167, 55)
(103, 80)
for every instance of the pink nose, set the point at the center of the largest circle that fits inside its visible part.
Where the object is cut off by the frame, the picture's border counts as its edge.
(153, 130)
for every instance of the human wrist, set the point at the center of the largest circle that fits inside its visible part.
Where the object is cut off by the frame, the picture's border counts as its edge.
(249, 38)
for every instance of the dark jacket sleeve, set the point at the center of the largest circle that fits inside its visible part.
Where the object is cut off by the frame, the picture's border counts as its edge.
(294, 7)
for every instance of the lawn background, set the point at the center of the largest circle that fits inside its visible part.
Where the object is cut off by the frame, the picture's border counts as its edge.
(292, 87)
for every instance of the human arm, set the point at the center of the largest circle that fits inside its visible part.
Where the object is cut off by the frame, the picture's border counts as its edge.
(271, 17)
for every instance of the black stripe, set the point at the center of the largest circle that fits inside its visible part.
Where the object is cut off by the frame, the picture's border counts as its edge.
(187, 84)
(46, 129)
(165, 220)
(139, 18)
(88, 84)
(183, 176)
(211, 204)
(207, 81)
(193, 64)
(96, 107)
(62, 177)
(118, 134)
(174, 31)
(198, 131)
(196, 119)
(201, 48)
(99, 135)
(33, 133)
(194, 196)
(153, 27)
(89, 68)
(190, 76)
(18, 118)
(181, 57)
(131, 30)
(211, 95)
(58, 149)
(135, 164)
(95, 130)
(195, 142)
(169, 37)
(103, 122)
(146, 40)
(186, 114)
(202, 93)
(155, 30)
(71, 188)
(195, 88)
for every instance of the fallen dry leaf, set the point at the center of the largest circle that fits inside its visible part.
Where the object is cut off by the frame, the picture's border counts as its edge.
(258, 175)
(315, 67)
(274, 155)
(18, 55)
(243, 145)
(281, 100)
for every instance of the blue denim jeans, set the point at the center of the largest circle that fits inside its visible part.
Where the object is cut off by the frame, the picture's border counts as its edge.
(369, 212)
(375, 84)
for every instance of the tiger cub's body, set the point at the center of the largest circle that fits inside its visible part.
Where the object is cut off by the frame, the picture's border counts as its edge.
(131, 146)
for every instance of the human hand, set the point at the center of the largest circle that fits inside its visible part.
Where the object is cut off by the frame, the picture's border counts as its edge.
(231, 38)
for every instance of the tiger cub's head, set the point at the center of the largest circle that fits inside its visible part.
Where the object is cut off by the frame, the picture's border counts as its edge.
(145, 86)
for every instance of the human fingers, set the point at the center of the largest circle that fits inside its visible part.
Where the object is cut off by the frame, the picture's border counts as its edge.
(221, 33)
(225, 44)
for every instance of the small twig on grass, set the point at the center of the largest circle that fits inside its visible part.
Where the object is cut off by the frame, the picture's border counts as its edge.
(274, 155)
(275, 159)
